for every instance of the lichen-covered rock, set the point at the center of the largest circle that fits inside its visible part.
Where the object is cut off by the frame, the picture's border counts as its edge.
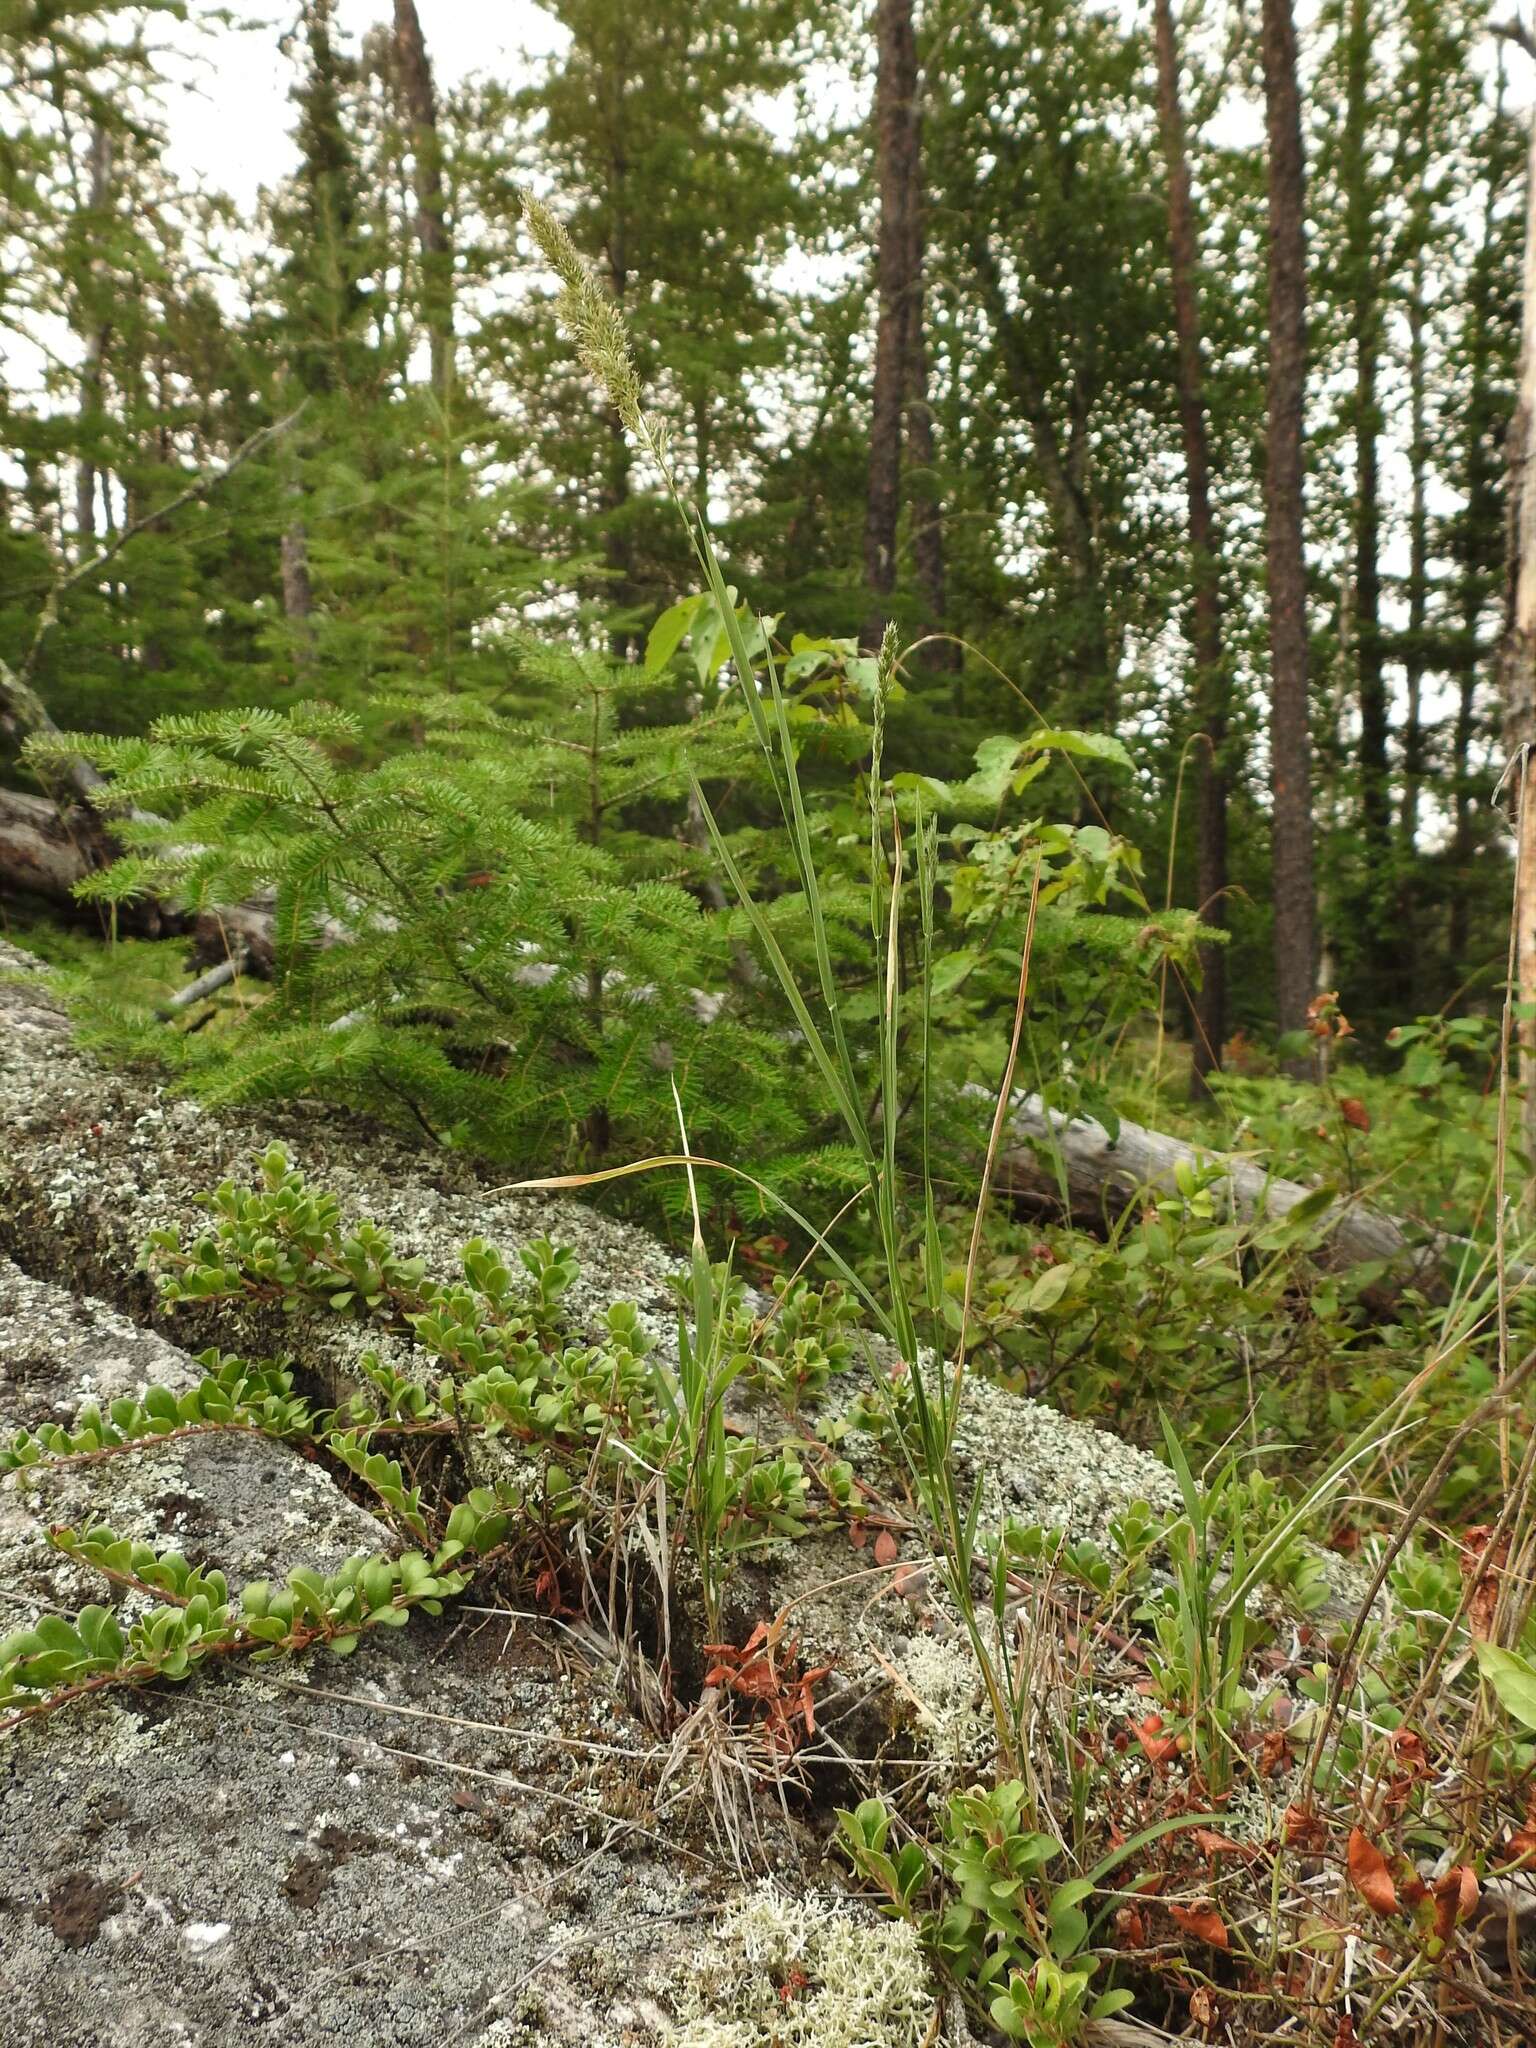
(399, 1855)
(464, 1835)
(92, 1161)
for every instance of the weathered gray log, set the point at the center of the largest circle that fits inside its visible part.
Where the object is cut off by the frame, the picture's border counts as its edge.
(217, 976)
(43, 849)
(1075, 1163)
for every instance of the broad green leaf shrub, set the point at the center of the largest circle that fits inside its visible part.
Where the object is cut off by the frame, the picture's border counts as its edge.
(193, 1619)
(1012, 1937)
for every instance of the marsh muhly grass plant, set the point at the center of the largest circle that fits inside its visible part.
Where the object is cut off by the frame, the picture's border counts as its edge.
(926, 1403)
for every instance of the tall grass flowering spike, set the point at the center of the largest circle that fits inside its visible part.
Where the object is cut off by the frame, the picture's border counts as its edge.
(885, 675)
(598, 330)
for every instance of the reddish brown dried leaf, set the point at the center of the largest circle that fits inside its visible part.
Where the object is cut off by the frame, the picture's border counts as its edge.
(1522, 1843)
(1274, 1753)
(1131, 1927)
(803, 1695)
(1204, 1922)
(546, 1590)
(1218, 1845)
(1303, 1829)
(1369, 1875)
(1456, 1895)
(757, 1680)
(1482, 1568)
(887, 1549)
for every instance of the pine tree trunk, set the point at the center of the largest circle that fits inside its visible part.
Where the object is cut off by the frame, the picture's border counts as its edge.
(414, 72)
(1418, 563)
(1481, 487)
(897, 247)
(927, 518)
(923, 488)
(1290, 730)
(1373, 906)
(298, 592)
(1517, 658)
(1211, 685)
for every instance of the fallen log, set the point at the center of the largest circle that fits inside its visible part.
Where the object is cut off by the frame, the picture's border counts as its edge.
(216, 977)
(46, 850)
(1073, 1162)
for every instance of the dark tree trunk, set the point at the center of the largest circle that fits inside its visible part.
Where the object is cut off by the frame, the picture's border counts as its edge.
(1481, 515)
(1418, 564)
(414, 73)
(1373, 909)
(1375, 785)
(1290, 729)
(927, 519)
(1517, 660)
(298, 591)
(1211, 680)
(898, 246)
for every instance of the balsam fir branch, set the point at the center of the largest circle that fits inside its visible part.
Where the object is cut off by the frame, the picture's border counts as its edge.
(474, 936)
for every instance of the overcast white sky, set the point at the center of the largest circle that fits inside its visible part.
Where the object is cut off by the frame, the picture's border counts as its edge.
(229, 122)
(229, 125)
